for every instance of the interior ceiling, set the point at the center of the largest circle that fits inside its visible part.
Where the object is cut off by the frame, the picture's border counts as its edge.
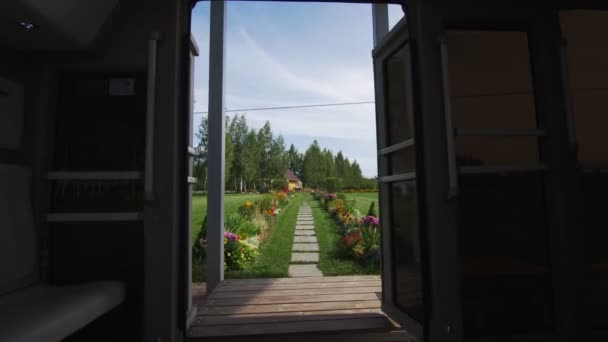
(62, 24)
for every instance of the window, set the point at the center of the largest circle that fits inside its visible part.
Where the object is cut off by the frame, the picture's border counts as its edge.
(399, 189)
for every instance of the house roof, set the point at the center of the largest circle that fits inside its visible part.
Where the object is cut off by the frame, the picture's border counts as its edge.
(291, 176)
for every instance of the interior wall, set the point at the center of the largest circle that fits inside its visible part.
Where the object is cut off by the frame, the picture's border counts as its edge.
(148, 252)
(22, 70)
(491, 83)
(15, 69)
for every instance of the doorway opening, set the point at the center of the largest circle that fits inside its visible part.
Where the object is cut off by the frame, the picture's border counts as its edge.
(300, 198)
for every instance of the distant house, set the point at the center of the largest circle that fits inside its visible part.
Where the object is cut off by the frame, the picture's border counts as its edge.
(294, 181)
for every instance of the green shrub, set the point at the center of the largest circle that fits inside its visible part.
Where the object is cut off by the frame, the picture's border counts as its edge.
(333, 184)
(371, 238)
(350, 206)
(341, 196)
(248, 209)
(335, 204)
(280, 184)
(260, 222)
(263, 188)
(199, 254)
(233, 222)
(281, 199)
(265, 203)
(372, 210)
(238, 254)
(248, 229)
(240, 225)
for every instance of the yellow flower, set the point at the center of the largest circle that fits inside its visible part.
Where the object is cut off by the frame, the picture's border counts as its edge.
(248, 204)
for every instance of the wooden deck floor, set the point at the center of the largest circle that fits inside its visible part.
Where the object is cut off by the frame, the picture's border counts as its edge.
(247, 307)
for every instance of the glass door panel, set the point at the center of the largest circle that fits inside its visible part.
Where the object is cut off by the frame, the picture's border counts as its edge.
(406, 255)
(400, 198)
(403, 261)
(402, 161)
(397, 80)
(506, 277)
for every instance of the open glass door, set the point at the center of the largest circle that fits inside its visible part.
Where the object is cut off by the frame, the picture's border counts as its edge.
(402, 251)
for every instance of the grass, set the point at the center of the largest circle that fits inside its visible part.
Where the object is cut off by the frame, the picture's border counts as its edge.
(275, 251)
(364, 200)
(331, 261)
(232, 202)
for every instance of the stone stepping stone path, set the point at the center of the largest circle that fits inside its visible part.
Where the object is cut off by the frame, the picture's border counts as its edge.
(305, 250)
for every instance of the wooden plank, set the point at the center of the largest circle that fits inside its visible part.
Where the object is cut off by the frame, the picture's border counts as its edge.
(296, 286)
(286, 317)
(301, 280)
(359, 324)
(354, 336)
(293, 292)
(94, 217)
(95, 175)
(261, 308)
(292, 299)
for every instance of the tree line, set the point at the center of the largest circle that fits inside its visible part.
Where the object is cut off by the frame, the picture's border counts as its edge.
(258, 160)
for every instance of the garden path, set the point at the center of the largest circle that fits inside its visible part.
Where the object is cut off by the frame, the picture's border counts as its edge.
(305, 250)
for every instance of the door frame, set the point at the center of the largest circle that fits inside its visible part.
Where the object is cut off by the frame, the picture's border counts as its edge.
(427, 21)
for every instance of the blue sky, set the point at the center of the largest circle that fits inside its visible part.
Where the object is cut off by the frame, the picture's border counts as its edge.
(285, 54)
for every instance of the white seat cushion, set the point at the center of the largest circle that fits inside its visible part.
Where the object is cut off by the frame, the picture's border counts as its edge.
(47, 313)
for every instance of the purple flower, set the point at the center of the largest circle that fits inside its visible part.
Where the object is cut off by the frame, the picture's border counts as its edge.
(230, 236)
(371, 220)
(330, 196)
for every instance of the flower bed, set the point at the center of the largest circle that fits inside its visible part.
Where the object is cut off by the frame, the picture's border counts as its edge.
(244, 230)
(360, 233)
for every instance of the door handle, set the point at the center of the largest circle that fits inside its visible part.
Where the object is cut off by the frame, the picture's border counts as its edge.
(566, 92)
(150, 117)
(449, 125)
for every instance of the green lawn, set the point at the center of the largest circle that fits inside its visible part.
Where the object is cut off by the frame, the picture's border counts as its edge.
(331, 262)
(232, 202)
(364, 199)
(275, 251)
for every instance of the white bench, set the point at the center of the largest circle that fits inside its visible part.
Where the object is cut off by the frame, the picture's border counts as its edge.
(30, 311)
